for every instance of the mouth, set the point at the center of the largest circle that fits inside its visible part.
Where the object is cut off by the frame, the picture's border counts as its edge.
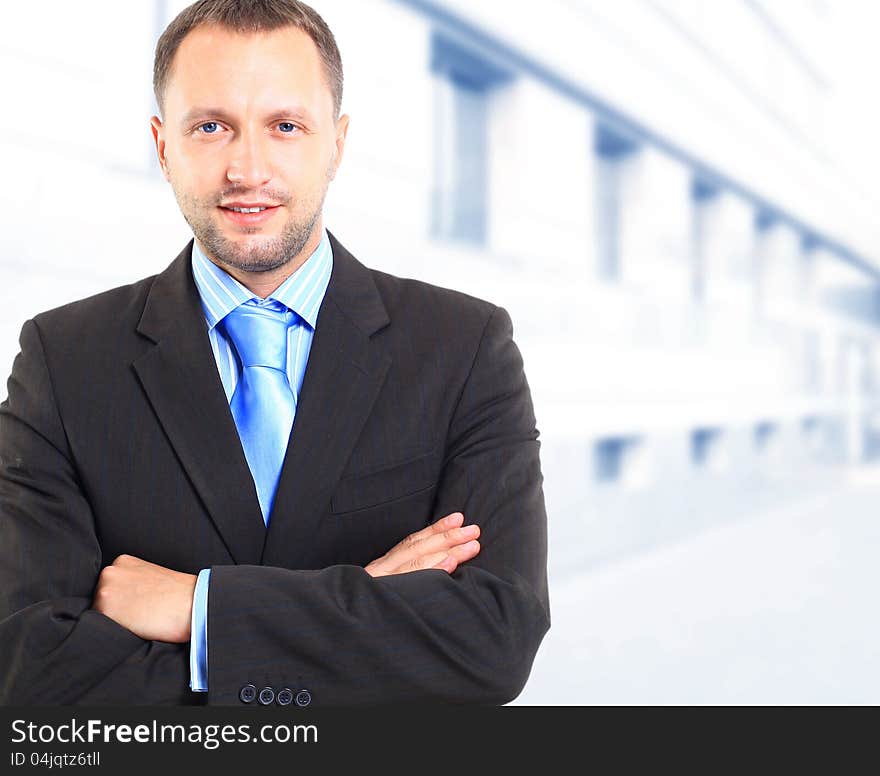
(248, 215)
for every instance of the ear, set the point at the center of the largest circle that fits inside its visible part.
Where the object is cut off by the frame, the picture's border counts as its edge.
(158, 130)
(341, 135)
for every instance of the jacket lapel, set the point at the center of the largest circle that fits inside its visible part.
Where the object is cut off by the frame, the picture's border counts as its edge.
(344, 375)
(180, 378)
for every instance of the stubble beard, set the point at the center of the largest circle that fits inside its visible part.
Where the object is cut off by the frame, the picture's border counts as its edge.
(264, 255)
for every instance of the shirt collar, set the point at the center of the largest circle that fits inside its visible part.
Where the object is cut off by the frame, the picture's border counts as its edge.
(302, 292)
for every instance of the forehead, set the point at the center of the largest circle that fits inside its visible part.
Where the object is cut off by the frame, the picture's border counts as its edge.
(240, 72)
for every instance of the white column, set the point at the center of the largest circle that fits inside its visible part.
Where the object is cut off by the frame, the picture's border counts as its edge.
(540, 175)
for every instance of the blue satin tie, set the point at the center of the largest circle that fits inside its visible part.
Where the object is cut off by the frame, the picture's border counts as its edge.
(263, 404)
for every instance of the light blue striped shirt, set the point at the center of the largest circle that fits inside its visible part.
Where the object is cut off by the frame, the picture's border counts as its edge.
(221, 293)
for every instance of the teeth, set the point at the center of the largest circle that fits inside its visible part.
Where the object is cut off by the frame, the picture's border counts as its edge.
(248, 209)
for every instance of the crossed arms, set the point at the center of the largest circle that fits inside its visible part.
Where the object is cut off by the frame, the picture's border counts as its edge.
(155, 602)
(71, 632)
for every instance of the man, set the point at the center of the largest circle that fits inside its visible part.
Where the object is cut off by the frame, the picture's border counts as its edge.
(190, 515)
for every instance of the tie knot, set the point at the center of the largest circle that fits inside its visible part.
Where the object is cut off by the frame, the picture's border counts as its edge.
(259, 333)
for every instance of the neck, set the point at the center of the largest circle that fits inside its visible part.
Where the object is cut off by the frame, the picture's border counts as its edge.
(263, 284)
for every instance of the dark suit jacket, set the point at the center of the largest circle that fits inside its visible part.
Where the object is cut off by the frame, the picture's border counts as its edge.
(116, 437)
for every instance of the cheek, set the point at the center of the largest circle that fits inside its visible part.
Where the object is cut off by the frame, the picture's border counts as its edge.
(199, 190)
(198, 170)
(318, 174)
(303, 165)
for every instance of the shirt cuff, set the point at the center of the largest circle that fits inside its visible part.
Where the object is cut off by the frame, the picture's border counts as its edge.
(198, 645)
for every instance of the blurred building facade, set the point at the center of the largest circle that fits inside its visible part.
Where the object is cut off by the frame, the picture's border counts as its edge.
(645, 185)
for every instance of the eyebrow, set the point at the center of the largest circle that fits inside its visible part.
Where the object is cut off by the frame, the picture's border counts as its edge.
(295, 112)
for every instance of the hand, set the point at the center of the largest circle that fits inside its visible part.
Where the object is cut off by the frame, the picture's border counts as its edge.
(442, 545)
(152, 601)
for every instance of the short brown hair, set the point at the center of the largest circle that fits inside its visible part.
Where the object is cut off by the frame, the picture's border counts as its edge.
(249, 16)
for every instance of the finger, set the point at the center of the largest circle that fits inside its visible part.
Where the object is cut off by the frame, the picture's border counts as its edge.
(416, 564)
(402, 551)
(446, 560)
(450, 538)
(454, 557)
(464, 552)
(448, 564)
(441, 542)
(453, 520)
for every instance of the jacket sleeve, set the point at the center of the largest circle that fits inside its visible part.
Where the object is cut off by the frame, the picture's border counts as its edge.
(426, 636)
(54, 648)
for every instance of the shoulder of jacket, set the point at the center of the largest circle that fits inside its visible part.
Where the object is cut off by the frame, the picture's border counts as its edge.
(105, 308)
(418, 296)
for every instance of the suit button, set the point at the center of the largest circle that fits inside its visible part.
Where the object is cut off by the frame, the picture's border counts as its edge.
(267, 695)
(284, 697)
(248, 693)
(303, 698)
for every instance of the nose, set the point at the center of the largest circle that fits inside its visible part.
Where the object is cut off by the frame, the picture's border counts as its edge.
(248, 165)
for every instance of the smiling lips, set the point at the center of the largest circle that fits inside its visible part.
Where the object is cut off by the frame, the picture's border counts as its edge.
(248, 214)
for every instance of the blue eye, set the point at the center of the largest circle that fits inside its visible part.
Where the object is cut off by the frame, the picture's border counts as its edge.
(287, 127)
(210, 127)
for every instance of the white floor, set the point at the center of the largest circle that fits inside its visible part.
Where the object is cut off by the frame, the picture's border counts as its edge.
(779, 608)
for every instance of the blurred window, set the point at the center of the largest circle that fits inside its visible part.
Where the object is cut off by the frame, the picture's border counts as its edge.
(707, 449)
(766, 222)
(813, 430)
(767, 439)
(615, 153)
(704, 198)
(621, 460)
(463, 83)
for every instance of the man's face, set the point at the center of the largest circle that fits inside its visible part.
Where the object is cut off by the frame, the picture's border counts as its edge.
(249, 123)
